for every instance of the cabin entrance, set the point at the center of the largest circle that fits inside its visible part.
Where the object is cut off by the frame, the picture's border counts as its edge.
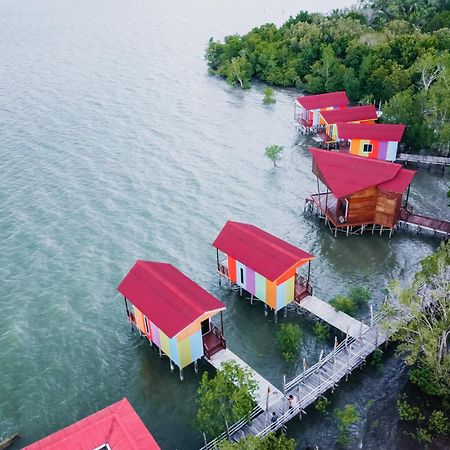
(205, 327)
(213, 339)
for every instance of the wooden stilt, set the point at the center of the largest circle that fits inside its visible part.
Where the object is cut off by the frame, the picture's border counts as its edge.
(181, 374)
(371, 316)
(160, 352)
(265, 309)
(196, 366)
(304, 370)
(381, 230)
(171, 365)
(285, 312)
(275, 318)
(251, 299)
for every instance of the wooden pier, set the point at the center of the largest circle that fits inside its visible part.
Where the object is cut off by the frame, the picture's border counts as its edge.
(437, 226)
(425, 160)
(335, 318)
(310, 384)
(266, 395)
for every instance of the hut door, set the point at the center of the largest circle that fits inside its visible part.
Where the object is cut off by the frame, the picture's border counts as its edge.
(205, 327)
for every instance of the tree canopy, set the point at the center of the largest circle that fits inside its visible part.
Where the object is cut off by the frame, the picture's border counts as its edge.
(226, 398)
(394, 52)
(422, 313)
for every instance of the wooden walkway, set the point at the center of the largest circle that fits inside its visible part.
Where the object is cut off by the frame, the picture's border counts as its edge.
(309, 385)
(335, 318)
(407, 218)
(264, 387)
(424, 159)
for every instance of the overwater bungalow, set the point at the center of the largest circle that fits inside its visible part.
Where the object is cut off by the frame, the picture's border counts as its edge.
(377, 141)
(358, 192)
(263, 265)
(307, 109)
(116, 427)
(172, 312)
(356, 114)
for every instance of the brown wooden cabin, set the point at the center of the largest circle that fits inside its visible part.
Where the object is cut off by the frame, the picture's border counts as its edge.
(359, 191)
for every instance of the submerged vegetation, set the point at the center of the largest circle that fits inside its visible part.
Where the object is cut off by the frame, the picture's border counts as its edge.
(394, 52)
(346, 417)
(357, 297)
(289, 338)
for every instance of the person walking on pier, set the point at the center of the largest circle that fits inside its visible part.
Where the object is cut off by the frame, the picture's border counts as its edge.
(292, 400)
(274, 417)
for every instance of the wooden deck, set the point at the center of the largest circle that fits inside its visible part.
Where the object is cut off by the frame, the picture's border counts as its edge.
(335, 318)
(263, 385)
(424, 160)
(426, 223)
(309, 385)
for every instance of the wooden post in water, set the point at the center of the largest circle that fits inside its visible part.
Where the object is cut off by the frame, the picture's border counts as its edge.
(196, 366)
(228, 429)
(346, 338)
(265, 309)
(160, 352)
(204, 438)
(251, 299)
(371, 316)
(285, 312)
(181, 374)
(320, 361)
(275, 318)
(171, 364)
(304, 369)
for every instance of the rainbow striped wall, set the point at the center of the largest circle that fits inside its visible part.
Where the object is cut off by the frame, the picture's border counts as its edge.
(182, 349)
(276, 294)
(384, 150)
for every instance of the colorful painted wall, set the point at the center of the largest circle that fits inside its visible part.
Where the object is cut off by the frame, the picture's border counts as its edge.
(277, 294)
(384, 150)
(182, 349)
(313, 115)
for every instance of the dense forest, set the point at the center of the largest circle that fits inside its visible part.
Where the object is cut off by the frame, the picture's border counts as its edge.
(393, 52)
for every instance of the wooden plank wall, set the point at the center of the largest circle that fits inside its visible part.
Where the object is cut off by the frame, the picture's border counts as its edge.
(362, 206)
(387, 208)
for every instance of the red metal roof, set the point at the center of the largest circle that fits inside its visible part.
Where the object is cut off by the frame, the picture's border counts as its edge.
(170, 299)
(376, 131)
(117, 425)
(323, 100)
(346, 174)
(366, 112)
(400, 182)
(262, 252)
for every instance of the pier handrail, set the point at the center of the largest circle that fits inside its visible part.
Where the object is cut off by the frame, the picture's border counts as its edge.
(341, 371)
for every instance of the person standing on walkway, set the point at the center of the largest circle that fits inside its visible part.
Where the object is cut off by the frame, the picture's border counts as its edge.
(293, 401)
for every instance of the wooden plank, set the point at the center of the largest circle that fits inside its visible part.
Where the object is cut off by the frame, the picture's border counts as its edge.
(337, 319)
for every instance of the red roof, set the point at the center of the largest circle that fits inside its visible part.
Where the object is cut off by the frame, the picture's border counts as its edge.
(264, 253)
(170, 299)
(346, 174)
(376, 131)
(323, 100)
(366, 112)
(117, 425)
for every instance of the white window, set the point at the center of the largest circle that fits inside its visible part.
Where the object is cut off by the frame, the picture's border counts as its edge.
(367, 148)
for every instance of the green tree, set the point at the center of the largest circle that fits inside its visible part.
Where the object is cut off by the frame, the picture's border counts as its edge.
(227, 397)
(273, 152)
(359, 294)
(422, 315)
(289, 338)
(268, 96)
(346, 417)
(321, 331)
(269, 442)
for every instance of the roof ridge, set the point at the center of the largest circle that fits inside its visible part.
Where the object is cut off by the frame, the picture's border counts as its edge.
(266, 241)
(168, 285)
